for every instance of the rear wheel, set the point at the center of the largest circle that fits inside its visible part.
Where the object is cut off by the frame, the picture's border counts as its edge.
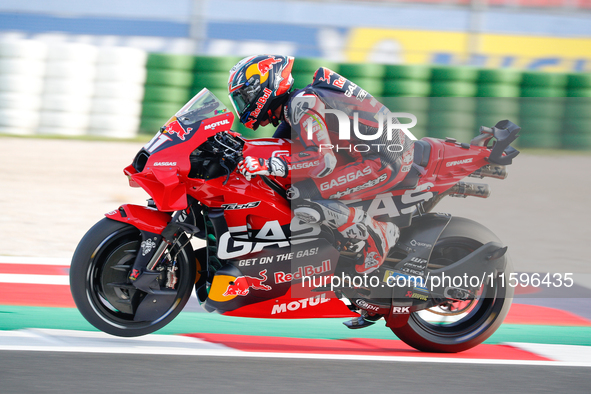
(102, 292)
(458, 326)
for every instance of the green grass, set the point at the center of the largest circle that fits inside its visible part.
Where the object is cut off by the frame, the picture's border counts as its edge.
(17, 317)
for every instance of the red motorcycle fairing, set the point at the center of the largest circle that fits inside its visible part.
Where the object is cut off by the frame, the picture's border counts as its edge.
(317, 305)
(455, 161)
(249, 204)
(429, 176)
(165, 177)
(448, 163)
(143, 218)
(268, 283)
(168, 163)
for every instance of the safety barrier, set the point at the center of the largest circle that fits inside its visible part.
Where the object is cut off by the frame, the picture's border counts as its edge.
(553, 109)
(70, 89)
(577, 112)
(22, 70)
(78, 89)
(168, 83)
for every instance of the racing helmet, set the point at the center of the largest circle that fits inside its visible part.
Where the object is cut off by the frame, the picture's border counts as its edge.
(258, 85)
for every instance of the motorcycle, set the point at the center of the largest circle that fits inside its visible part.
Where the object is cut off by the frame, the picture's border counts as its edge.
(134, 271)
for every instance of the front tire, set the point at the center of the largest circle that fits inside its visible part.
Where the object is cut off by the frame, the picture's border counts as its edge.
(99, 279)
(434, 330)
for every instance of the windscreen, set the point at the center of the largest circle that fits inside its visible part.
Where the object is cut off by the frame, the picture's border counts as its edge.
(203, 106)
(180, 127)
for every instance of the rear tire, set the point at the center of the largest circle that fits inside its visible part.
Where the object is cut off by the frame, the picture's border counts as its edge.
(105, 257)
(456, 333)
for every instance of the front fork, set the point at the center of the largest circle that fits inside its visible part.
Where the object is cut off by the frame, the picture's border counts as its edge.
(159, 232)
(145, 274)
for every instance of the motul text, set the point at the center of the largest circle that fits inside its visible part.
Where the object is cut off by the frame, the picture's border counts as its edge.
(300, 304)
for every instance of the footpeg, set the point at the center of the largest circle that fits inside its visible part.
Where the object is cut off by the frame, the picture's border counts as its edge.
(358, 322)
(457, 294)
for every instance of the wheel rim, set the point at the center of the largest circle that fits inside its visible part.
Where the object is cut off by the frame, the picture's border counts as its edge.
(108, 291)
(475, 319)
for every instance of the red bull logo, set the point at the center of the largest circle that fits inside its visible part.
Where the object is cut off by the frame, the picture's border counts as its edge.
(308, 270)
(250, 123)
(175, 127)
(261, 103)
(265, 65)
(261, 68)
(241, 285)
(325, 75)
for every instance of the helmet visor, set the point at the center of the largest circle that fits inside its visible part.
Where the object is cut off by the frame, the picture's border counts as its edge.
(238, 102)
(245, 96)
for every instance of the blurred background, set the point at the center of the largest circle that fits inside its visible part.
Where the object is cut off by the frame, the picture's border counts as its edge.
(120, 69)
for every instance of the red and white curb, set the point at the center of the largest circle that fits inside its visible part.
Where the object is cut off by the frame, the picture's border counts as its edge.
(27, 281)
(48, 340)
(34, 270)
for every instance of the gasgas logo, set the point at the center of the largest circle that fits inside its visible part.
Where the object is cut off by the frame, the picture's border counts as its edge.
(302, 166)
(350, 177)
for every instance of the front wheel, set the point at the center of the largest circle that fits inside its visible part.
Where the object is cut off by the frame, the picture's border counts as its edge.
(459, 326)
(102, 292)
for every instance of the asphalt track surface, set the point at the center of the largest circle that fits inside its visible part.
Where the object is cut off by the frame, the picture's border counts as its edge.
(53, 191)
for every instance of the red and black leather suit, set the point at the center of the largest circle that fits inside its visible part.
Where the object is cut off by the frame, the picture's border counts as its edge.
(326, 167)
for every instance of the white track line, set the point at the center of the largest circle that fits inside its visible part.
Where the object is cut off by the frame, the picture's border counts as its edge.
(70, 340)
(564, 353)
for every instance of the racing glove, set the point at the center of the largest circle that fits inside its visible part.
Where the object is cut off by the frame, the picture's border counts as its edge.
(252, 166)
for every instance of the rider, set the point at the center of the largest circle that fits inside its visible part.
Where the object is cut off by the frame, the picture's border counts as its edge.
(260, 89)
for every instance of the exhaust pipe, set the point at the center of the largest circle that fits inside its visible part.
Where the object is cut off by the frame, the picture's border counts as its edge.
(465, 189)
(491, 171)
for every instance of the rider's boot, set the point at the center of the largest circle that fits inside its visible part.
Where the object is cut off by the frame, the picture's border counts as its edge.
(379, 238)
(354, 224)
